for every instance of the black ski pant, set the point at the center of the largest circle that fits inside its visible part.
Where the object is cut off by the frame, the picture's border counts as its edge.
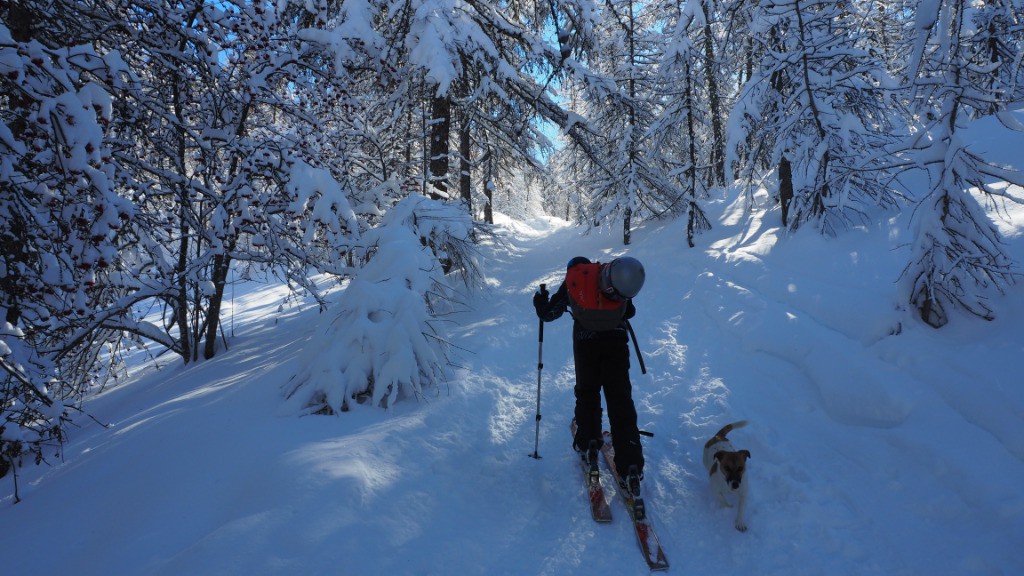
(603, 364)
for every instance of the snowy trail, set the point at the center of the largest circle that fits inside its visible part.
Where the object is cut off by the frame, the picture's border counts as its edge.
(675, 484)
(871, 454)
(843, 438)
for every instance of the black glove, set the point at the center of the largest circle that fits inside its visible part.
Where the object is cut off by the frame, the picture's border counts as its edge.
(540, 300)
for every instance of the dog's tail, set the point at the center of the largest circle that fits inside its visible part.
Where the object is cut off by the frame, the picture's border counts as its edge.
(730, 427)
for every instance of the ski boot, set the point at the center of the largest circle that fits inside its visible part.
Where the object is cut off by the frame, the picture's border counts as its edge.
(590, 459)
(631, 484)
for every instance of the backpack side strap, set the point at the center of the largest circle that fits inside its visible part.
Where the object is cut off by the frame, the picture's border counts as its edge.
(639, 356)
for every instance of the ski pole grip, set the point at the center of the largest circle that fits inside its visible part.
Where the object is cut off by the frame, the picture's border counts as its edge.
(541, 337)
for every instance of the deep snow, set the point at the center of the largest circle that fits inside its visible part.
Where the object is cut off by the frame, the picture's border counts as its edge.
(872, 453)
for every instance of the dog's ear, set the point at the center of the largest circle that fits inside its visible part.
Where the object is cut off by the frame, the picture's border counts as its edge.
(719, 455)
(745, 453)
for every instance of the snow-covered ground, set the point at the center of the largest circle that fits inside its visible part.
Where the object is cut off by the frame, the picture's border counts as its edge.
(872, 453)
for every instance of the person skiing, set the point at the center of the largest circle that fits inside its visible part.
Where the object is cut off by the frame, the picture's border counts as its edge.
(600, 299)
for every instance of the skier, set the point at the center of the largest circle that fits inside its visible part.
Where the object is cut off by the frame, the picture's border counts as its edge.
(600, 299)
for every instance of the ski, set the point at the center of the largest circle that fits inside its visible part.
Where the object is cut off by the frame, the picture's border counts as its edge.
(599, 507)
(650, 545)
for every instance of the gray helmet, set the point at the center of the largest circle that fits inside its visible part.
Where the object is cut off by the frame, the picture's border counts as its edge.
(623, 277)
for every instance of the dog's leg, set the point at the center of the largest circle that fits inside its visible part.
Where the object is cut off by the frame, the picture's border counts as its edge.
(722, 500)
(741, 508)
(718, 488)
(717, 485)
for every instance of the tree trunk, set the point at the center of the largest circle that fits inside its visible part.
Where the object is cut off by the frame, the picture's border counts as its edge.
(690, 175)
(440, 130)
(785, 188)
(222, 262)
(488, 186)
(465, 180)
(221, 266)
(627, 216)
(717, 131)
(181, 299)
(818, 207)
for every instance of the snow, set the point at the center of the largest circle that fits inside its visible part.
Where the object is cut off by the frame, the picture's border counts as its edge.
(879, 445)
(872, 454)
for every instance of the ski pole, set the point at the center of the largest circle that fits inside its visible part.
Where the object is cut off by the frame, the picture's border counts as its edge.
(540, 367)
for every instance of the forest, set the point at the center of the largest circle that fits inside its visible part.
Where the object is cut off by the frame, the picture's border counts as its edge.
(153, 151)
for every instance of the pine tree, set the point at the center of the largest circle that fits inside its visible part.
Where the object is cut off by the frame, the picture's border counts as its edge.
(958, 259)
(687, 135)
(621, 174)
(819, 102)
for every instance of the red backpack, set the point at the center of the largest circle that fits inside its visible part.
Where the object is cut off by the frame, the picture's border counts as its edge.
(591, 307)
